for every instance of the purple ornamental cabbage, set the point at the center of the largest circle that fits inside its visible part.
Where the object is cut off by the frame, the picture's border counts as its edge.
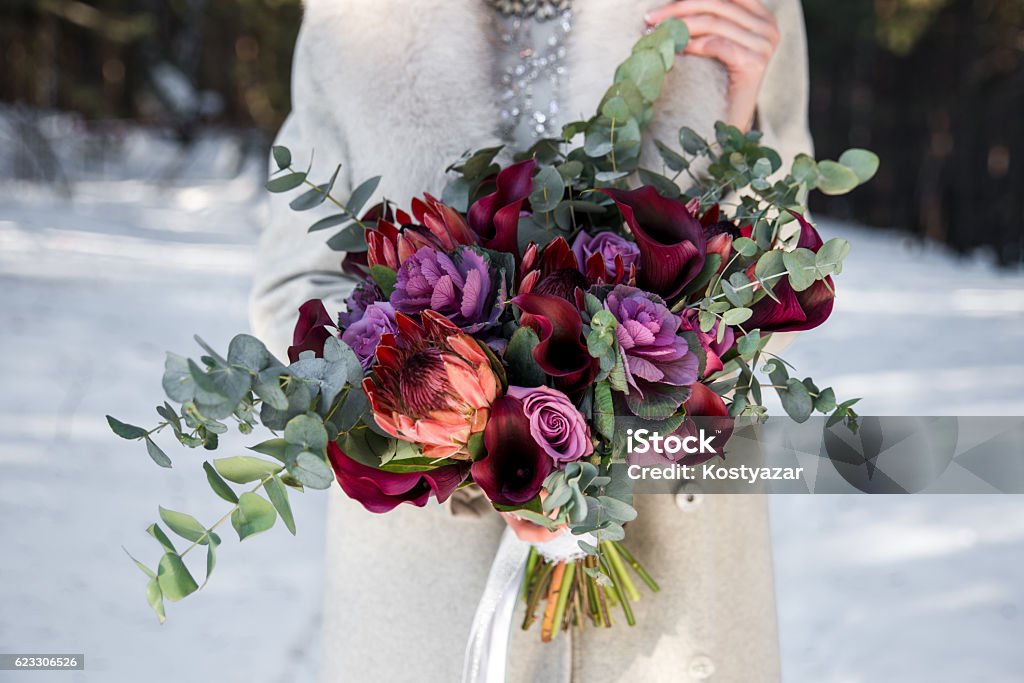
(364, 335)
(658, 362)
(462, 287)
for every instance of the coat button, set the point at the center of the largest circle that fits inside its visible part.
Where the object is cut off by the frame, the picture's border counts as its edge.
(702, 667)
(689, 497)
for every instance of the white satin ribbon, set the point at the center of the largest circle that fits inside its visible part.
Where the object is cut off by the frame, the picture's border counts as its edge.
(487, 650)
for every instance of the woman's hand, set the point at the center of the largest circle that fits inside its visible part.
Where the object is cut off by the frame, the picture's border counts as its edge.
(528, 531)
(742, 34)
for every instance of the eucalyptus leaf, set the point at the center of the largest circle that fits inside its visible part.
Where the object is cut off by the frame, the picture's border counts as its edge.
(253, 515)
(124, 430)
(242, 469)
(186, 526)
(219, 486)
(862, 162)
(174, 578)
(278, 495)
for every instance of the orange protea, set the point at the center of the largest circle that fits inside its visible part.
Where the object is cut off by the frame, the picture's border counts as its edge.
(433, 385)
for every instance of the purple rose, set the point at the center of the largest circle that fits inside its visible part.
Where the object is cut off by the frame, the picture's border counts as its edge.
(659, 365)
(609, 246)
(364, 294)
(364, 335)
(459, 287)
(555, 423)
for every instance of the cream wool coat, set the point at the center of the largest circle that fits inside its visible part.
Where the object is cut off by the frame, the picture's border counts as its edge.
(400, 89)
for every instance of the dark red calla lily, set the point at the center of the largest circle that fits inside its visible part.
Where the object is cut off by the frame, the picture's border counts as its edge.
(312, 330)
(795, 311)
(561, 353)
(495, 218)
(706, 411)
(380, 491)
(671, 240)
(515, 466)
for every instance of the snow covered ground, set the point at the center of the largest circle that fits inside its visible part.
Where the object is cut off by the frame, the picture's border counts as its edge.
(94, 289)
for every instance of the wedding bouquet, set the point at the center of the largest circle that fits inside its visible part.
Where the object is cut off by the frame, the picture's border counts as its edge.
(496, 335)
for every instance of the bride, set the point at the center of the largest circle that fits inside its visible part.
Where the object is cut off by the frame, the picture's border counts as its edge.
(399, 89)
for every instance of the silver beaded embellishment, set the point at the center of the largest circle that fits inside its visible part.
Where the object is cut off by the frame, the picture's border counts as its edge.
(538, 9)
(532, 73)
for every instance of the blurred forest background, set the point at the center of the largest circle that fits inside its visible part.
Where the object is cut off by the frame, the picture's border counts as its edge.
(936, 87)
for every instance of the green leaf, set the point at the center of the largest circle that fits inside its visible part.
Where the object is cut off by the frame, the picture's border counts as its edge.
(805, 171)
(672, 159)
(826, 401)
(522, 368)
(285, 183)
(282, 156)
(307, 432)
(362, 194)
(217, 483)
(692, 142)
(548, 190)
(745, 246)
(836, 179)
(174, 578)
(796, 400)
(242, 469)
(186, 526)
(211, 556)
(278, 495)
(646, 69)
(143, 568)
(329, 222)
(157, 454)
(351, 239)
(862, 162)
(177, 380)
(275, 448)
(829, 258)
(736, 316)
(125, 431)
(253, 515)
(311, 470)
(385, 279)
(249, 352)
(800, 267)
(156, 532)
(155, 597)
(604, 410)
(314, 197)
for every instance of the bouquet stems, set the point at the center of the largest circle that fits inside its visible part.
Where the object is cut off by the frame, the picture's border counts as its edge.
(588, 587)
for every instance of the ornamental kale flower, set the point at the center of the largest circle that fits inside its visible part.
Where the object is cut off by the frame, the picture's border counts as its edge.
(364, 335)
(433, 385)
(462, 287)
(555, 424)
(658, 362)
(364, 294)
(610, 254)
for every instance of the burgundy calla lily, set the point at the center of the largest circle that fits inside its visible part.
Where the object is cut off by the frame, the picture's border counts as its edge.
(312, 329)
(514, 469)
(495, 218)
(380, 491)
(561, 353)
(795, 311)
(671, 240)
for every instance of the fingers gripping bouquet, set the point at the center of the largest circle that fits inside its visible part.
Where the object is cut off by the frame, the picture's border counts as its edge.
(496, 335)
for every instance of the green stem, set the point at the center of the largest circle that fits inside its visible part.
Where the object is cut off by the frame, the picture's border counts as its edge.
(637, 567)
(563, 597)
(623, 599)
(616, 562)
(531, 565)
(206, 534)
